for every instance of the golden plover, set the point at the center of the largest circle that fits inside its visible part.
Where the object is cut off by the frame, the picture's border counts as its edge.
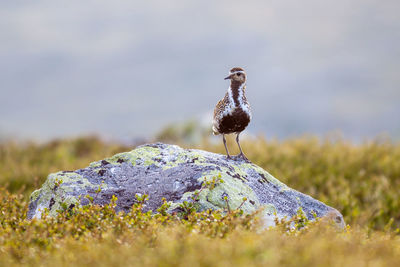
(232, 113)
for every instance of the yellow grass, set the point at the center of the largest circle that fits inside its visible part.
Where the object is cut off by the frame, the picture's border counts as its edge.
(362, 181)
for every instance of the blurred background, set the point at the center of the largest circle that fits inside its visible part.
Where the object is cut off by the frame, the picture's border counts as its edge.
(126, 70)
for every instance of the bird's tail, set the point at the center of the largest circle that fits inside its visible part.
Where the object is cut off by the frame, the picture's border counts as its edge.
(215, 130)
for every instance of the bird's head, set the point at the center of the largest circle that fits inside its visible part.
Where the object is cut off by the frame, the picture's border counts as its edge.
(237, 75)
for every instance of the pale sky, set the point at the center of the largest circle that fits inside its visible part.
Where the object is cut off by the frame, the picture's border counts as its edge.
(125, 69)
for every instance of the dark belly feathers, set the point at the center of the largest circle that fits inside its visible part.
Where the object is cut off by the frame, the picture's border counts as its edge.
(235, 122)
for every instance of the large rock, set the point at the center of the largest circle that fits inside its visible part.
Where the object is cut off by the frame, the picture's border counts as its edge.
(168, 171)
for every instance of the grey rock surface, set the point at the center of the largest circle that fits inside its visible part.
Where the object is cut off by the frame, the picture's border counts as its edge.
(161, 170)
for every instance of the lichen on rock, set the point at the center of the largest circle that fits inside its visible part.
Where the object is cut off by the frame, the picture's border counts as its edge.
(176, 174)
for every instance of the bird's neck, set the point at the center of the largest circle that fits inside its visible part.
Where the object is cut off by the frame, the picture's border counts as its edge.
(236, 92)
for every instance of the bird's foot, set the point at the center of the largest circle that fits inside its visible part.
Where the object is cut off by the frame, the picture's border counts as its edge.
(242, 156)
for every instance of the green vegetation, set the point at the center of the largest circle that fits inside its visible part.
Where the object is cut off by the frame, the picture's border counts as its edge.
(361, 181)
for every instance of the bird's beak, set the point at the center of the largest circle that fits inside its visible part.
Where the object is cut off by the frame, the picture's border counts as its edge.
(227, 78)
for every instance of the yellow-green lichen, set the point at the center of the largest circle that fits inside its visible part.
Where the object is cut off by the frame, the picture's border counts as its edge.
(234, 190)
(229, 194)
(119, 158)
(55, 188)
(146, 154)
(35, 194)
(95, 164)
(67, 178)
(62, 203)
(184, 157)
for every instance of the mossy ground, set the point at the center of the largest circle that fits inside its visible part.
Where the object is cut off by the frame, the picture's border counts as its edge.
(361, 181)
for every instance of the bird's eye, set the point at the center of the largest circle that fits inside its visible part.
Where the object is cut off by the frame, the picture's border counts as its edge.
(238, 74)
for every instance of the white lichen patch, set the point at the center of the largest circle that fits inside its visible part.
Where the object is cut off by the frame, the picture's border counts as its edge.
(269, 215)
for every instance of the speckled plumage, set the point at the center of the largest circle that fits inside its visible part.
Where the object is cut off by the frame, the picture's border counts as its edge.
(232, 113)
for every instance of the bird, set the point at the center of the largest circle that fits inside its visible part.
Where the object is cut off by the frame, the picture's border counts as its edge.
(232, 114)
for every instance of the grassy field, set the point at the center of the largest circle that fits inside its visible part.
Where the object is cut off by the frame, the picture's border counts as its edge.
(361, 181)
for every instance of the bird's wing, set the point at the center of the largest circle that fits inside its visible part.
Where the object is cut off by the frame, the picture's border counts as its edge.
(219, 108)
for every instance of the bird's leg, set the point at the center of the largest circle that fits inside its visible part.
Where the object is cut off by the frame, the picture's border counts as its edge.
(226, 148)
(241, 152)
